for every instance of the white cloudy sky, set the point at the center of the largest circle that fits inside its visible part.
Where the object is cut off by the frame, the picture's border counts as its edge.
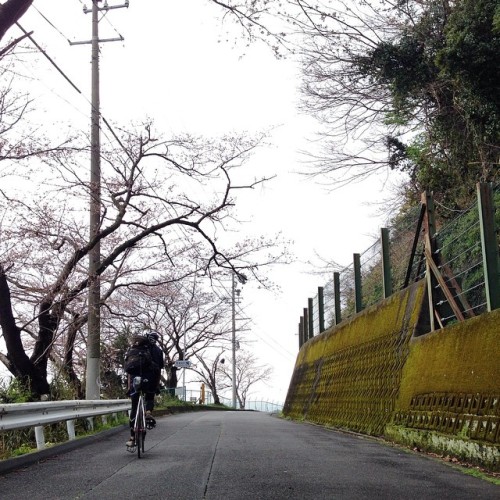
(176, 67)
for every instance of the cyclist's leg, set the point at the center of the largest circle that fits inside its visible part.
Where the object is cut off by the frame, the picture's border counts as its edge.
(150, 401)
(133, 412)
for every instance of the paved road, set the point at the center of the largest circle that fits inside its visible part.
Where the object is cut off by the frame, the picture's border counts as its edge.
(241, 455)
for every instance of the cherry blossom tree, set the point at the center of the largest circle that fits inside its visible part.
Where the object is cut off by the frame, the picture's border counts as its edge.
(163, 201)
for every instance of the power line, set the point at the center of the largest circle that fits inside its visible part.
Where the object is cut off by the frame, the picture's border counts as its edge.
(44, 53)
(278, 347)
(110, 128)
(51, 24)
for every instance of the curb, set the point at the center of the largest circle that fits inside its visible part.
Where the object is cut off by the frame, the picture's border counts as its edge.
(12, 464)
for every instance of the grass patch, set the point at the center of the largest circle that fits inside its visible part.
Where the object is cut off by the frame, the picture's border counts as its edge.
(491, 477)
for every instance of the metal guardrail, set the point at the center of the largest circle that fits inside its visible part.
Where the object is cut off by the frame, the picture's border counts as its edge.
(194, 396)
(22, 415)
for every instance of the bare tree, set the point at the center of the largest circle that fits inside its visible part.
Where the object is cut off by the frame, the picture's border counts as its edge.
(248, 373)
(160, 200)
(185, 311)
(351, 106)
(19, 140)
(257, 18)
(210, 373)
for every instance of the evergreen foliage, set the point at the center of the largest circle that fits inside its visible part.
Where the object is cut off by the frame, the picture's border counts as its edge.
(444, 70)
(419, 80)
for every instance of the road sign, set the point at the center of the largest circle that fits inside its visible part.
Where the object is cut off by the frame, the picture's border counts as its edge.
(183, 363)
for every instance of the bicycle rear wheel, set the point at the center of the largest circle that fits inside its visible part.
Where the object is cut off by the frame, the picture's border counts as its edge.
(139, 418)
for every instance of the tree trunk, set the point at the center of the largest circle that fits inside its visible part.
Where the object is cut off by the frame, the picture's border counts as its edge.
(68, 364)
(10, 12)
(26, 370)
(171, 378)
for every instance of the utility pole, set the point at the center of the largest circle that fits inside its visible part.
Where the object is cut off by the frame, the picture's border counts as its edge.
(184, 358)
(92, 386)
(242, 279)
(233, 316)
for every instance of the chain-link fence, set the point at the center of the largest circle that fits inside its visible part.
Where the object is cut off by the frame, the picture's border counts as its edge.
(458, 253)
(461, 260)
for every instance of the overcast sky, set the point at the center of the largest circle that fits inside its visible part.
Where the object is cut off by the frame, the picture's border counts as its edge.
(176, 67)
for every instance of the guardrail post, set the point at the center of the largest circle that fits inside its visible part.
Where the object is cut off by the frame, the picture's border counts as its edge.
(491, 263)
(70, 427)
(336, 297)
(357, 282)
(386, 263)
(90, 421)
(40, 437)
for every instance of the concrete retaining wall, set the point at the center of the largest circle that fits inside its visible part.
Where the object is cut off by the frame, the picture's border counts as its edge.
(439, 391)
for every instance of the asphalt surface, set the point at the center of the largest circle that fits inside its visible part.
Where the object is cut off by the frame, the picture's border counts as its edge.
(241, 455)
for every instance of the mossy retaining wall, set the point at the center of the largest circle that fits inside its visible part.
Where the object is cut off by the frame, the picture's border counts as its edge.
(371, 374)
(449, 398)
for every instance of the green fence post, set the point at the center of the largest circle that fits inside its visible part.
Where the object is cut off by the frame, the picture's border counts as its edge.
(301, 331)
(386, 263)
(491, 263)
(306, 325)
(336, 297)
(357, 282)
(321, 309)
(310, 308)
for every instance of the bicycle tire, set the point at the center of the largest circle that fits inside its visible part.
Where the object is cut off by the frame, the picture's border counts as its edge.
(138, 427)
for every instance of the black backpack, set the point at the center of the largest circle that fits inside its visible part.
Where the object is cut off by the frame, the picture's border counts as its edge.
(138, 359)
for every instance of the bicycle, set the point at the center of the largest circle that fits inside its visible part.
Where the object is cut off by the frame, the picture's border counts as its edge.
(139, 419)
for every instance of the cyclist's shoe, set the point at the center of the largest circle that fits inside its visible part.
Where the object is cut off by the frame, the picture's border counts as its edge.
(150, 421)
(130, 443)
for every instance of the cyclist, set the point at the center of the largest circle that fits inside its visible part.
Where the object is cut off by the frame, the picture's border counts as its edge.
(150, 372)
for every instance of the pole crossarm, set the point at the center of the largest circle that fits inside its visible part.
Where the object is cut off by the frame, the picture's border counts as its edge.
(101, 40)
(106, 7)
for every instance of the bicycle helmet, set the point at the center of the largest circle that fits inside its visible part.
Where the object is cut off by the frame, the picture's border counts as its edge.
(138, 340)
(153, 336)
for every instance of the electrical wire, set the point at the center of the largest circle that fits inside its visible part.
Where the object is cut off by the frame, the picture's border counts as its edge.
(280, 350)
(51, 23)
